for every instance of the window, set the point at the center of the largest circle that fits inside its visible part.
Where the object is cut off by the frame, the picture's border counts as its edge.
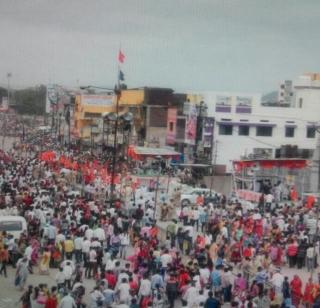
(289, 132)
(264, 131)
(244, 130)
(300, 102)
(311, 132)
(11, 226)
(225, 129)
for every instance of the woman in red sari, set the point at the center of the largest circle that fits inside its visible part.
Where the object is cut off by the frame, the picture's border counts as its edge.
(258, 229)
(308, 294)
(248, 226)
(183, 278)
(296, 293)
(236, 252)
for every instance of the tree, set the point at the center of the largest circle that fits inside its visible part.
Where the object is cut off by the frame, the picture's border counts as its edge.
(30, 100)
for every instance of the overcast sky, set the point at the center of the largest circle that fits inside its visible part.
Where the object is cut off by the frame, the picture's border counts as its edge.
(227, 45)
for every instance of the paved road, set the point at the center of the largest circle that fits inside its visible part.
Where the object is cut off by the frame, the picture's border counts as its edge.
(9, 295)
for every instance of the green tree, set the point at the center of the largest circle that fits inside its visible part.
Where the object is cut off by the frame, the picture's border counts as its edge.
(30, 100)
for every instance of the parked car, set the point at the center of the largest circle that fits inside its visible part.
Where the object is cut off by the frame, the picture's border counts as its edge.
(190, 196)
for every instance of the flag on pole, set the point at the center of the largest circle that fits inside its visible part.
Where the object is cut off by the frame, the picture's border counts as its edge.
(121, 57)
(121, 75)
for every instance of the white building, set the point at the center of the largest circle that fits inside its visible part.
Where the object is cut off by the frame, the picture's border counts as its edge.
(244, 126)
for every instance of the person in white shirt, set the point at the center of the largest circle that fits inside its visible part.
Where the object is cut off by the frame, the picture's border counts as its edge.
(277, 281)
(124, 243)
(204, 275)
(60, 278)
(78, 248)
(99, 234)
(67, 302)
(91, 266)
(85, 249)
(145, 287)
(96, 298)
(165, 259)
(124, 292)
(200, 299)
(68, 271)
(88, 234)
(95, 243)
(191, 295)
(195, 217)
(268, 200)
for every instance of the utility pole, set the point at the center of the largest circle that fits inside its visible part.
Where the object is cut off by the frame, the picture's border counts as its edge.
(117, 91)
(9, 75)
(201, 109)
(215, 149)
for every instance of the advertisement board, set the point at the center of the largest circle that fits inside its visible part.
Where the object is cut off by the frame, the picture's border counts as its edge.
(191, 126)
(97, 100)
(52, 97)
(171, 125)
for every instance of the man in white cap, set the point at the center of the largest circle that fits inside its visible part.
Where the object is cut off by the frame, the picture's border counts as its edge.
(277, 281)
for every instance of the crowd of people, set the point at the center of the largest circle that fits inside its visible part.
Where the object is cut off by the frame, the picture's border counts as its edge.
(211, 254)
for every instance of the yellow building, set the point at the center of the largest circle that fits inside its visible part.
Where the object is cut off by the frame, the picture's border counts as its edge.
(89, 108)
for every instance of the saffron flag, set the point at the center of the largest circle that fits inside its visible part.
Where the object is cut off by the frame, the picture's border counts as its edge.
(121, 57)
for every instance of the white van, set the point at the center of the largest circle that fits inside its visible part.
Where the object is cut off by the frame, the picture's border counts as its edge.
(14, 225)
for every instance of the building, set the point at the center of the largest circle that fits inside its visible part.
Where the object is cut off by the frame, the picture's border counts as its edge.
(244, 127)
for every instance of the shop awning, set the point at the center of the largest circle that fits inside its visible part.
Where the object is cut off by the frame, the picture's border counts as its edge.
(137, 152)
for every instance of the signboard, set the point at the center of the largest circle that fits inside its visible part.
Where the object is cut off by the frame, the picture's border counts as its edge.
(171, 125)
(191, 126)
(4, 104)
(248, 195)
(97, 100)
(52, 97)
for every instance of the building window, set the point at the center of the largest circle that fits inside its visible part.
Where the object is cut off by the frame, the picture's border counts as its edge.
(225, 129)
(244, 130)
(300, 102)
(311, 132)
(264, 131)
(289, 132)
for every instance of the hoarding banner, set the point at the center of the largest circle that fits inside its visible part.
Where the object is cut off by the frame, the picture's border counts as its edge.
(191, 126)
(97, 100)
(52, 97)
(171, 125)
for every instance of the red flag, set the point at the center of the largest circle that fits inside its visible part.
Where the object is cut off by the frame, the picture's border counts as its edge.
(121, 56)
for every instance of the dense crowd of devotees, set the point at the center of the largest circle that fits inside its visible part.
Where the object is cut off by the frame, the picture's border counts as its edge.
(225, 253)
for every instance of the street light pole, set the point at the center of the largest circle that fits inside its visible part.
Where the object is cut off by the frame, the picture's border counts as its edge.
(9, 75)
(117, 91)
(157, 188)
